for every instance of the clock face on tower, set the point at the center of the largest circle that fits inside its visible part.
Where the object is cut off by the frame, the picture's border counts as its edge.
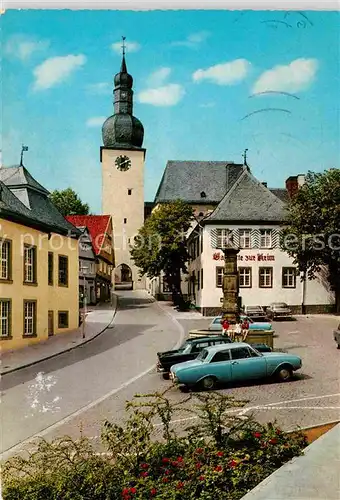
(123, 163)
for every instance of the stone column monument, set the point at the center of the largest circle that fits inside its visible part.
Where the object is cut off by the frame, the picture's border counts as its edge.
(230, 306)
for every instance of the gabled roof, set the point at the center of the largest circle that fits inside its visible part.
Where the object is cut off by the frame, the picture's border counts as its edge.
(26, 201)
(248, 200)
(18, 176)
(281, 193)
(186, 180)
(97, 226)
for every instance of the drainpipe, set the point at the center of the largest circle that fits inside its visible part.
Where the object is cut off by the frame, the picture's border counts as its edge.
(303, 298)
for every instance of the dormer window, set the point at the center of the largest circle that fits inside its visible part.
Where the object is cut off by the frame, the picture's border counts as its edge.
(203, 195)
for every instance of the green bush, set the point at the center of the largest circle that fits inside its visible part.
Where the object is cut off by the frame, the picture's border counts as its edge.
(222, 456)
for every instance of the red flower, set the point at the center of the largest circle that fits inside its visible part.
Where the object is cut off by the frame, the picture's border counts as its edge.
(180, 485)
(153, 491)
(220, 453)
(257, 434)
(126, 491)
(218, 468)
(144, 474)
(166, 472)
(133, 490)
(174, 463)
(201, 478)
(198, 465)
(233, 463)
(165, 480)
(273, 441)
(180, 459)
(199, 450)
(278, 431)
(144, 466)
(165, 460)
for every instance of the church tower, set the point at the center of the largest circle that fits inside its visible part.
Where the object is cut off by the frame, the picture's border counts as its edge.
(122, 158)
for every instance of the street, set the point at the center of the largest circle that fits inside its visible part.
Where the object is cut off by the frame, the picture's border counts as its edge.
(79, 389)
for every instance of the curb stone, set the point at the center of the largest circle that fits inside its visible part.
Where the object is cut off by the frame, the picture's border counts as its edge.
(54, 355)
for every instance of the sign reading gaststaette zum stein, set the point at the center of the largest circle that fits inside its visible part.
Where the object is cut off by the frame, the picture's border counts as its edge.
(260, 257)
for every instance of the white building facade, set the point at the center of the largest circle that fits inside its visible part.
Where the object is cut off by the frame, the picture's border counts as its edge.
(266, 273)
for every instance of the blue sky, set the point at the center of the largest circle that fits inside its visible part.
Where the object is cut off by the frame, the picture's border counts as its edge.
(201, 82)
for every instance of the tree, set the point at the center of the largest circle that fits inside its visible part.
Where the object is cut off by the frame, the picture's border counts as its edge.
(161, 244)
(68, 202)
(312, 237)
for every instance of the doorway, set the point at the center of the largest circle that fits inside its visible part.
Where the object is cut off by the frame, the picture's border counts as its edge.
(50, 323)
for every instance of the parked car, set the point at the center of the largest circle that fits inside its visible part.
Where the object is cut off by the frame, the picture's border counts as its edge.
(216, 326)
(255, 312)
(232, 363)
(191, 348)
(188, 350)
(278, 310)
(336, 334)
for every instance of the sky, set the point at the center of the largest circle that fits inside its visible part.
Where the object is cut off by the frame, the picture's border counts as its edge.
(207, 86)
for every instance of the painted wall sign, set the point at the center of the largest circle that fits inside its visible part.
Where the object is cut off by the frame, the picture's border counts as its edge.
(260, 257)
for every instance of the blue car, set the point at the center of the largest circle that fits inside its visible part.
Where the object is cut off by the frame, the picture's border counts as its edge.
(233, 363)
(215, 325)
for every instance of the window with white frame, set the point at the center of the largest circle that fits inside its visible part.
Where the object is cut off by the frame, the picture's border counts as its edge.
(224, 238)
(265, 277)
(5, 263)
(5, 318)
(245, 277)
(245, 238)
(30, 309)
(219, 277)
(29, 264)
(265, 238)
(288, 277)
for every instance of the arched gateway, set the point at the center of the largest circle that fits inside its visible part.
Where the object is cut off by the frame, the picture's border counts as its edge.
(123, 277)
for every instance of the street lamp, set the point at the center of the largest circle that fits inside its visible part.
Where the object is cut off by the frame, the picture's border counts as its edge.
(83, 271)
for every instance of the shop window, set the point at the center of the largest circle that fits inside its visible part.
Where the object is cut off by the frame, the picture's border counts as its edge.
(62, 270)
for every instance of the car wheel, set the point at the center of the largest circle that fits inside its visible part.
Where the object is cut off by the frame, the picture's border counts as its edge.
(208, 383)
(338, 346)
(284, 373)
(166, 376)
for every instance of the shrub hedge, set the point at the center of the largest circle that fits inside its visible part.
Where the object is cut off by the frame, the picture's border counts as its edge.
(222, 456)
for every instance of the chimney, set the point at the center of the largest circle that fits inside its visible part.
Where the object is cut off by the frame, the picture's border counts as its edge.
(292, 185)
(264, 184)
(301, 180)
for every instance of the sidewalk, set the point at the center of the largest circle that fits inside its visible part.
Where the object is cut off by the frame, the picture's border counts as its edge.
(98, 319)
(312, 476)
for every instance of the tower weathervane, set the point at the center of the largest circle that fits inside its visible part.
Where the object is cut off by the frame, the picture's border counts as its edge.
(123, 46)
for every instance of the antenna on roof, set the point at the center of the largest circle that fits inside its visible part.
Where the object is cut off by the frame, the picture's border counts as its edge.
(23, 148)
(245, 157)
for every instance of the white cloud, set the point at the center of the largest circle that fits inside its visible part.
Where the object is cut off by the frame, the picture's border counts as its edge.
(293, 77)
(96, 121)
(224, 73)
(158, 77)
(130, 47)
(99, 88)
(193, 40)
(23, 48)
(56, 69)
(168, 95)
